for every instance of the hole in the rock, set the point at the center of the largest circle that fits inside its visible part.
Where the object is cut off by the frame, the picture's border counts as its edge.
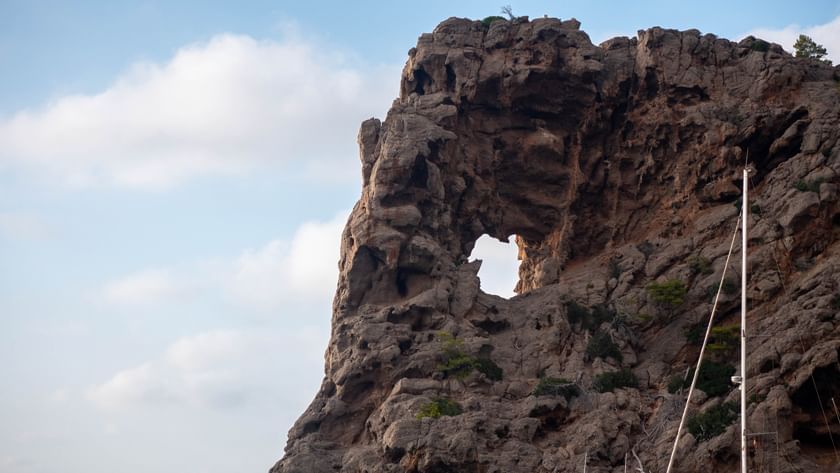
(499, 271)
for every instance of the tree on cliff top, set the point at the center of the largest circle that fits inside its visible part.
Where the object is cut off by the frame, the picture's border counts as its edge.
(807, 47)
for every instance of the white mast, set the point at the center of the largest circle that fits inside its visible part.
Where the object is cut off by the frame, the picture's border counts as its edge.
(745, 208)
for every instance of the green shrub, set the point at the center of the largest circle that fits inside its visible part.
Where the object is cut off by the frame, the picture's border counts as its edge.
(601, 345)
(589, 319)
(611, 380)
(713, 422)
(556, 387)
(600, 314)
(755, 209)
(694, 333)
(459, 365)
(725, 339)
(490, 20)
(700, 265)
(489, 368)
(670, 293)
(439, 407)
(576, 313)
(714, 379)
(678, 382)
(760, 45)
(808, 186)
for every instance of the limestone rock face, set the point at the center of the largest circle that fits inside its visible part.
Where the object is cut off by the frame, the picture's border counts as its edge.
(615, 166)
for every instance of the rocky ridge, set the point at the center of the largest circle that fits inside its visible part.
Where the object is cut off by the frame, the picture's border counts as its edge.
(617, 168)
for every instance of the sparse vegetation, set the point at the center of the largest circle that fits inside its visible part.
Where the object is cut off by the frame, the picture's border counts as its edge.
(713, 422)
(724, 339)
(677, 382)
(695, 332)
(808, 186)
(714, 379)
(612, 380)
(700, 265)
(760, 45)
(601, 345)
(456, 363)
(508, 12)
(755, 209)
(490, 20)
(556, 387)
(669, 294)
(439, 407)
(589, 319)
(489, 368)
(808, 48)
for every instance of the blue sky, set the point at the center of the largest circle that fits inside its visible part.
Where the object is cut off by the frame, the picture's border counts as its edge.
(174, 178)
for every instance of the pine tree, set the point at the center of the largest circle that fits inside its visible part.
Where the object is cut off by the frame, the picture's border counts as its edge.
(807, 47)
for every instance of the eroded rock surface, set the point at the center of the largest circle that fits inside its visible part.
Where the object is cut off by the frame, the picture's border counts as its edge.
(616, 166)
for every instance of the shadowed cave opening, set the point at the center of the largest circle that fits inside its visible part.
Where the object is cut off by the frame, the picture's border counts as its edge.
(813, 409)
(499, 271)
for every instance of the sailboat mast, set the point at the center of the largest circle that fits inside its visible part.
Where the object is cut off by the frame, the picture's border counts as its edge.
(745, 208)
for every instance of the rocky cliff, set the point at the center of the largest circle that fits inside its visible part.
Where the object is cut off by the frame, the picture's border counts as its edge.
(617, 167)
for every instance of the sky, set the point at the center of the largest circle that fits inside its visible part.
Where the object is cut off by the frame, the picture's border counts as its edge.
(174, 178)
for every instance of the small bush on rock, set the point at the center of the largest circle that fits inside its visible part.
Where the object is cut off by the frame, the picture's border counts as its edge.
(459, 365)
(760, 45)
(612, 380)
(556, 387)
(489, 368)
(808, 186)
(439, 407)
(601, 345)
(700, 265)
(670, 294)
(713, 422)
(490, 20)
(678, 382)
(714, 379)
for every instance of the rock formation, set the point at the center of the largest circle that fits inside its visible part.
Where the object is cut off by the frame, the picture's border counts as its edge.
(617, 168)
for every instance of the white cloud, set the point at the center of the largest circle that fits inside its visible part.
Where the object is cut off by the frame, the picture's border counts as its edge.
(304, 268)
(499, 271)
(282, 274)
(827, 34)
(222, 107)
(144, 287)
(219, 370)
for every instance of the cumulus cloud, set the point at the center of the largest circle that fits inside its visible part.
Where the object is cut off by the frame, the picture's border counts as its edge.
(827, 34)
(282, 274)
(219, 370)
(499, 265)
(225, 106)
(304, 268)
